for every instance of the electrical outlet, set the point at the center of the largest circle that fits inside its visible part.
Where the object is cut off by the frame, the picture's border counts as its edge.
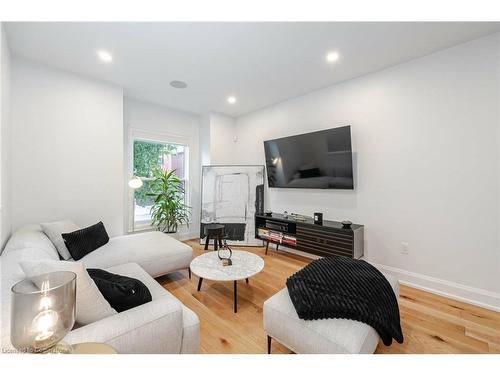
(404, 247)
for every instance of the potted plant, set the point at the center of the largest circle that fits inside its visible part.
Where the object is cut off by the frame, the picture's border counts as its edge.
(169, 209)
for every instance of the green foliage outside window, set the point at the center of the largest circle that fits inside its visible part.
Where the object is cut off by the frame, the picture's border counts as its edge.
(148, 156)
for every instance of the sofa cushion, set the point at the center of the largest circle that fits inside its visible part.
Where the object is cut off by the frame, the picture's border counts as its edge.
(10, 268)
(83, 241)
(325, 336)
(122, 292)
(135, 271)
(156, 252)
(31, 236)
(90, 304)
(55, 230)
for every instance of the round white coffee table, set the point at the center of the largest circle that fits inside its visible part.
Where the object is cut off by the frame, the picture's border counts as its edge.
(209, 266)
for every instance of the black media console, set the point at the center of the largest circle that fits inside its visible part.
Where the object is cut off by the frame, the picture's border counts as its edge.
(328, 239)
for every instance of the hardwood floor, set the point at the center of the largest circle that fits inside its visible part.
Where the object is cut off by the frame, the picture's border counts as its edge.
(431, 324)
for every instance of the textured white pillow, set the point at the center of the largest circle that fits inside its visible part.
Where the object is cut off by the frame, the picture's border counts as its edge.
(54, 231)
(90, 304)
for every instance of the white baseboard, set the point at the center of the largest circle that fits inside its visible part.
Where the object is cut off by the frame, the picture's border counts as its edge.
(460, 292)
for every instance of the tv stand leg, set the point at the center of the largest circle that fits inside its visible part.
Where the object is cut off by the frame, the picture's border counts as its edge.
(267, 246)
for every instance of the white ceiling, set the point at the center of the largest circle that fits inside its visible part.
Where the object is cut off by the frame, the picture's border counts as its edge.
(259, 63)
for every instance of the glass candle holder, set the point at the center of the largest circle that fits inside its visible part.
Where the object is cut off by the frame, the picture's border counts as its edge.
(42, 311)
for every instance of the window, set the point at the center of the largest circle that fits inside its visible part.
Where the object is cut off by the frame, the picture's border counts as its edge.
(148, 156)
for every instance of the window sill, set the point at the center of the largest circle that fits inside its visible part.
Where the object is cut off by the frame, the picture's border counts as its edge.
(139, 228)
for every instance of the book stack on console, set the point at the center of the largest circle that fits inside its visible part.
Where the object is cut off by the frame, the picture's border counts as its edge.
(270, 235)
(275, 236)
(289, 240)
(263, 232)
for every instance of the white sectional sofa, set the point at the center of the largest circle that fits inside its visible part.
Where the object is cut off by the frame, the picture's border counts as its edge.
(163, 325)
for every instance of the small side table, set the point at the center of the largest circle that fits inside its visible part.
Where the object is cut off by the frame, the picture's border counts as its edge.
(216, 232)
(93, 348)
(209, 266)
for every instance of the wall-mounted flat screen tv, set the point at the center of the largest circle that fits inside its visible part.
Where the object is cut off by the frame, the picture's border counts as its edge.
(318, 160)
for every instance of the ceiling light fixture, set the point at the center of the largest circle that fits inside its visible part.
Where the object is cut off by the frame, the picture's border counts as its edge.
(332, 56)
(231, 99)
(105, 56)
(178, 84)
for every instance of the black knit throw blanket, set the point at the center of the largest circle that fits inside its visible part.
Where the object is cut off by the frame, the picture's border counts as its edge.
(337, 287)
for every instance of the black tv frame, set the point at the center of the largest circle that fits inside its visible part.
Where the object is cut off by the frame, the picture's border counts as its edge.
(269, 164)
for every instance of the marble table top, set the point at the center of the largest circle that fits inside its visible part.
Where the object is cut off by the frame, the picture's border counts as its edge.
(209, 266)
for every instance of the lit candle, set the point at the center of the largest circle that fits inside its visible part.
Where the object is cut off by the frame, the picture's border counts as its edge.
(45, 322)
(44, 325)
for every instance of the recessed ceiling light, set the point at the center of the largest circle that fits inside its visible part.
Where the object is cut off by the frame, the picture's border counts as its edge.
(231, 99)
(178, 84)
(332, 56)
(105, 56)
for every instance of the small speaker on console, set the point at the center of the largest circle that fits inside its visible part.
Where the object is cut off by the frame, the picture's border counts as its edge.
(346, 223)
(318, 218)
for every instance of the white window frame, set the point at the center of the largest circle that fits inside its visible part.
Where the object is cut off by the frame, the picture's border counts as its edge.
(146, 136)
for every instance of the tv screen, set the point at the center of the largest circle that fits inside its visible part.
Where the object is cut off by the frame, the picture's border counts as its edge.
(318, 160)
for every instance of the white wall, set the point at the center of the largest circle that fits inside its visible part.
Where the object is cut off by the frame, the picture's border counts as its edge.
(205, 139)
(5, 146)
(426, 152)
(217, 144)
(222, 132)
(154, 120)
(67, 148)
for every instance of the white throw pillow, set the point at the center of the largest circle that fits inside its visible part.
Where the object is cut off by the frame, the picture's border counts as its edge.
(54, 231)
(90, 304)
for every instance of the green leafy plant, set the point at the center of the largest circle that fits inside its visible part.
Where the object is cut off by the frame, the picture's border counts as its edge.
(169, 209)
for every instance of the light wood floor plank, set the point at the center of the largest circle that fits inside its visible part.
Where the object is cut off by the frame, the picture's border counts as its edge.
(430, 323)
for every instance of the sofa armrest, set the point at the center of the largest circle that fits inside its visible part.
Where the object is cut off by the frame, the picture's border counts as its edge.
(190, 332)
(155, 327)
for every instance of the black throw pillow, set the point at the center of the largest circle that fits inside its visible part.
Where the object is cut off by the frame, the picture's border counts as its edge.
(83, 241)
(121, 292)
